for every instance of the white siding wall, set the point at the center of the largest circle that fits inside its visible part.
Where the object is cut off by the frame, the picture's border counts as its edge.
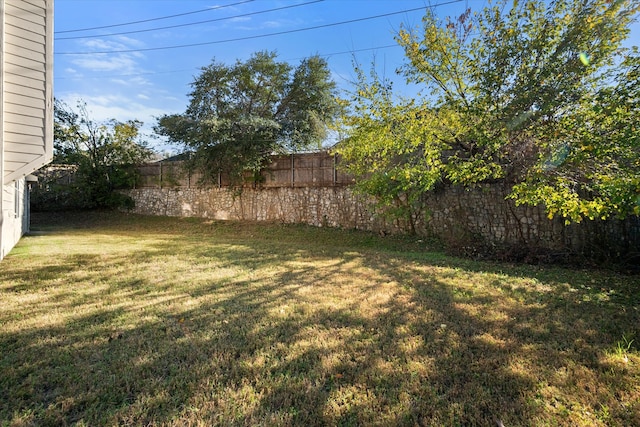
(27, 91)
(14, 199)
(26, 107)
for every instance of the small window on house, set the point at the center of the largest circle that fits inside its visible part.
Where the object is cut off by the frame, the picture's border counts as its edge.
(16, 199)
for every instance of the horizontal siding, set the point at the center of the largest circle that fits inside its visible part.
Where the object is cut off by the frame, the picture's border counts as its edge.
(32, 11)
(12, 140)
(20, 32)
(36, 9)
(24, 110)
(23, 130)
(27, 86)
(23, 29)
(22, 157)
(14, 98)
(14, 63)
(8, 192)
(33, 80)
(22, 119)
(26, 153)
(37, 3)
(25, 92)
(27, 12)
(18, 47)
(29, 45)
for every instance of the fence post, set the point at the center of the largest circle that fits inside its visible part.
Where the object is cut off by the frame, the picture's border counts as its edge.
(160, 180)
(335, 169)
(293, 171)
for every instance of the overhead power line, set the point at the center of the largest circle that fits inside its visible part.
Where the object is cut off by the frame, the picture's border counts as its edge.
(351, 21)
(154, 19)
(150, 73)
(192, 23)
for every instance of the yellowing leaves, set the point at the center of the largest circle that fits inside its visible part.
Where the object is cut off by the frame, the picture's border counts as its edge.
(526, 98)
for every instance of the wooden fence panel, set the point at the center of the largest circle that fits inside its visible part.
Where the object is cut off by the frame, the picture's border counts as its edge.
(293, 170)
(149, 175)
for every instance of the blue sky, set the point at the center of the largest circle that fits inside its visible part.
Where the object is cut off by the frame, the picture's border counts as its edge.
(140, 63)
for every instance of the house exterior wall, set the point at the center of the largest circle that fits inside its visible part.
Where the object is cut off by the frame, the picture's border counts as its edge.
(15, 215)
(26, 107)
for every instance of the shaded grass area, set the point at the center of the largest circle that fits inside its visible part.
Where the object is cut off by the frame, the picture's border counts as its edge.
(115, 319)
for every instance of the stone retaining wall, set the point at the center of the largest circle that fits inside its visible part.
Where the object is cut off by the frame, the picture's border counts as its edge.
(319, 206)
(453, 214)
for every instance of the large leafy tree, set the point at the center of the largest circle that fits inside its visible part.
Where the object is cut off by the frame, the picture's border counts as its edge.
(538, 94)
(239, 115)
(104, 156)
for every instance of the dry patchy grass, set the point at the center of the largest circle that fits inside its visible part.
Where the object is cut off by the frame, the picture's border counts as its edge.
(113, 319)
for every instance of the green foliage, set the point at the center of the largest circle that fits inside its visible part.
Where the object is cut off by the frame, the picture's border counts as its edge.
(241, 114)
(539, 94)
(595, 171)
(393, 147)
(103, 157)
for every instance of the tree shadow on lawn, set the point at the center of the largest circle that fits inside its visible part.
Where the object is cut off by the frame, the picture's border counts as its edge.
(526, 350)
(410, 343)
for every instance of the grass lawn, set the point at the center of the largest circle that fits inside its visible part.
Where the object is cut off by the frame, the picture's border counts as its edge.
(114, 319)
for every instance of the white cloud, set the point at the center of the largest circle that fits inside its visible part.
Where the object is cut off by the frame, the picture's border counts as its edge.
(99, 44)
(116, 43)
(143, 107)
(173, 99)
(116, 85)
(105, 107)
(107, 62)
(123, 62)
(130, 42)
(271, 24)
(132, 81)
(240, 19)
(123, 108)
